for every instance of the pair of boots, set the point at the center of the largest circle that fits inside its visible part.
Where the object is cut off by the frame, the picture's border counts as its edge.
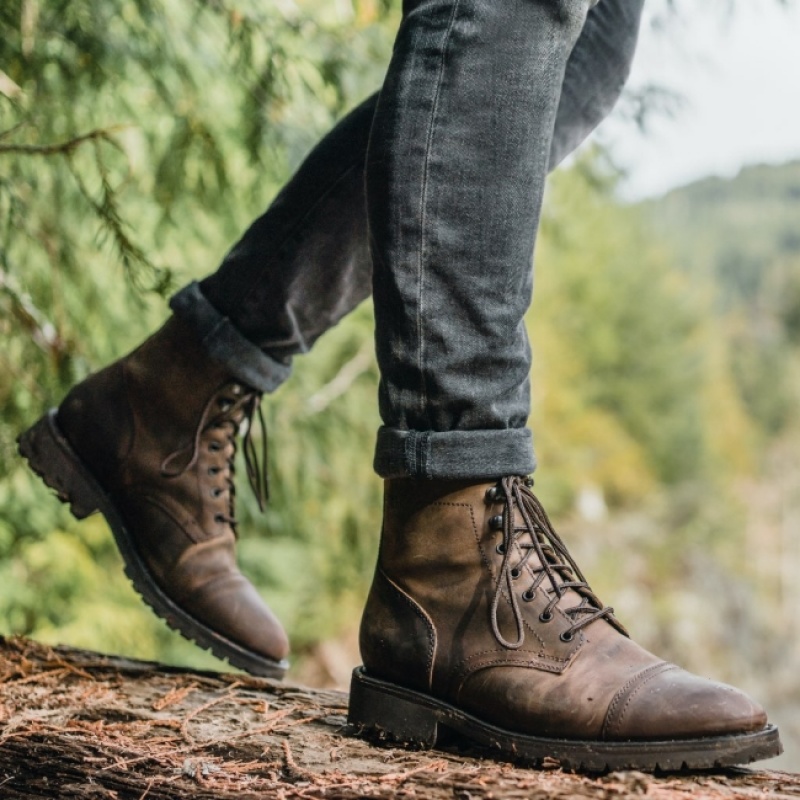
(478, 619)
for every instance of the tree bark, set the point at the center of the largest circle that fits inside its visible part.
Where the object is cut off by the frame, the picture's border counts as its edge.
(76, 724)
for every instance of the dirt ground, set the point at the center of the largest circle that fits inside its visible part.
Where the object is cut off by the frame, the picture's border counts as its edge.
(76, 724)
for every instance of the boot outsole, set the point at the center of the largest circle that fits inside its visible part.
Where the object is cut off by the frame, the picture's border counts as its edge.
(52, 458)
(385, 711)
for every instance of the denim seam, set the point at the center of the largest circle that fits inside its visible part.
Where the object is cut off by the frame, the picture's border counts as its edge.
(424, 453)
(411, 452)
(422, 216)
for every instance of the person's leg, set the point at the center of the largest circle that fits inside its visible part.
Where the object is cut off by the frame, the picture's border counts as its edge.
(150, 440)
(596, 73)
(305, 263)
(456, 168)
(478, 618)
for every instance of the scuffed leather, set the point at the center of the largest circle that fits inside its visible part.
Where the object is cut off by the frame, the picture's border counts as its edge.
(438, 549)
(125, 422)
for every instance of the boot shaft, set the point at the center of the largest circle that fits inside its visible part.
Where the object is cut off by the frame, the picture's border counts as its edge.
(447, 595)
(156, 393)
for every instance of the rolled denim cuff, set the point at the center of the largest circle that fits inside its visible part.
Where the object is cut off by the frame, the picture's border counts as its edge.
(478, 455)
(224, 343)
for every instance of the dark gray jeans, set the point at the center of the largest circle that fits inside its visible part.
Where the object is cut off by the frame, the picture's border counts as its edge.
(428, 195)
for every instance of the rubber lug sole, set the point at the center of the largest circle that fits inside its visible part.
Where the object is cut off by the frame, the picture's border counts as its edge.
(52, 458)
(385, 711)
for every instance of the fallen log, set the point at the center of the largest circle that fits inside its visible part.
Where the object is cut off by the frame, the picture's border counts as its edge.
(77, 724)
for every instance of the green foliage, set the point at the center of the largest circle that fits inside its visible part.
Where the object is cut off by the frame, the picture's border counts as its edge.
(137, 139)
(630, 326)
(742, 235)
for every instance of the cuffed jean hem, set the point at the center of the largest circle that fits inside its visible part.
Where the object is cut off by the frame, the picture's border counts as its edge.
(478, 455)
(224, 343)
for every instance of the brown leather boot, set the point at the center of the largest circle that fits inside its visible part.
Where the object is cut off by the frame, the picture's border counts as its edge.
(479, 621)
(149, 442)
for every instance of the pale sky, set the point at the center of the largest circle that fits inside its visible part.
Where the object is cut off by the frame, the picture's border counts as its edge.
(741, 83)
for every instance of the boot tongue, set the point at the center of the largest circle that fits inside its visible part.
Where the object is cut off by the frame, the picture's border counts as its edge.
(532, 550)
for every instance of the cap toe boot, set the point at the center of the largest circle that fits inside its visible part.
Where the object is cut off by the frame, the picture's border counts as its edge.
(480, 621)
(150, 442)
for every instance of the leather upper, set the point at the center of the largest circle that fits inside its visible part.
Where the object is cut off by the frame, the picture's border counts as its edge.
(428, 626)
(158, 430)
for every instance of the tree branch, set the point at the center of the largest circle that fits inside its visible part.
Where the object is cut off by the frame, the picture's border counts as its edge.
(343, 379)
(64, 148)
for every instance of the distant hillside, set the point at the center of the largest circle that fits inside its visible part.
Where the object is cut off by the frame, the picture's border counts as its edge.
(741, 229)
(740, 239)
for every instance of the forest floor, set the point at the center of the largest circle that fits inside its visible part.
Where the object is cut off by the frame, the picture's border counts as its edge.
(76, 724)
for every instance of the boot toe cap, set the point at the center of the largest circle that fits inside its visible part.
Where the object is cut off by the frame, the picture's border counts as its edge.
(669, 703)
(202, 579)
(232, 607)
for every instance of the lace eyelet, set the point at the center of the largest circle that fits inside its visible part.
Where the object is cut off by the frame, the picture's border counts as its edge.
(567, 636)
(493, 495)
(528, 595)
(215, 447)
(515, 573)
(545, 616)
(496, 523)
(213, 470)
(216, 492)
(501, 549)
(218, 518)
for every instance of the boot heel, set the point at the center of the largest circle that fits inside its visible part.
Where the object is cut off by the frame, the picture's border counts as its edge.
(54, 461)
(386, 715)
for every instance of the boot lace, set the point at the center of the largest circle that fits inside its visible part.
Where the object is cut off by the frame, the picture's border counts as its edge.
(556, 568)
(230, 409)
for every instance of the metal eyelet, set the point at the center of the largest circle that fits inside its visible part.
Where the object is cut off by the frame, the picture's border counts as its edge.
(496, 523)
(567, 636)
(501, 549)
(214, 447)
(224, 404)
(515, 573)
(216, 492)
(493, 495)
(545, 616)
(528, 595)
(219, 518)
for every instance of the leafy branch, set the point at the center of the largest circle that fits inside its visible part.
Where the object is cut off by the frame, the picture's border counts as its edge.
(134, 259)
(65, 148)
